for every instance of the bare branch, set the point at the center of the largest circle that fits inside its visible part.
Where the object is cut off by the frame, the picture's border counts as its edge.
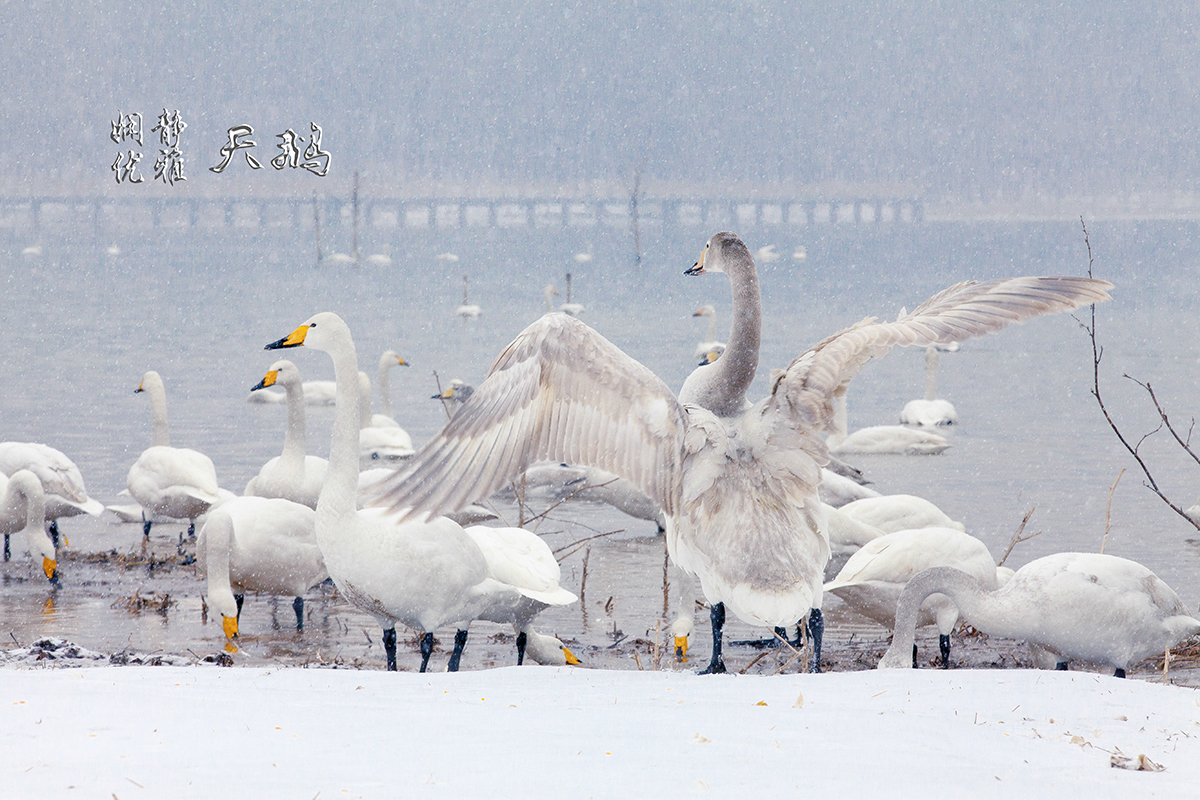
(1017, 538)
(1108, 510)
(1162, 415)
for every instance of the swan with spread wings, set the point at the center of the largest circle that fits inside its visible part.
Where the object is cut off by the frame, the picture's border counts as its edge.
(737, 482)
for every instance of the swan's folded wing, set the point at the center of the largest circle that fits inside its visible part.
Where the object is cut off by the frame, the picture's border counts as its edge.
(806, 388)
(559, 392)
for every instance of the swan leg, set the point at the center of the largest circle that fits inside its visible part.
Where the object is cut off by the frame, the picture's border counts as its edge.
(239, 599)
(717, 665)
(1119, 673)
(914, 655)
(298, 607)
(53, 531)
(7, 550)
(389, 649)
(460, 641)
(1061, 666)
(145, 526)
(191, 529)
(522, 640)
(816, 629)
(944, 646)
(426, 648)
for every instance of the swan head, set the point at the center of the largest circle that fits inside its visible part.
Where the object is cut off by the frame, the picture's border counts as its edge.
(712, 355)
(704, 311)
(151, 381)
(718, 251)
(391, 358)
(322, 331)
(548, 650)
(457, 391)
(284, 373)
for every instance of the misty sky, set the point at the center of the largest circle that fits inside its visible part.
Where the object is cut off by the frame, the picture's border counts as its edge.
(953, 98)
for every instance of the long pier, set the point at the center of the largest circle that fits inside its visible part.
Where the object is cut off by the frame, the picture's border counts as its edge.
(103, 215)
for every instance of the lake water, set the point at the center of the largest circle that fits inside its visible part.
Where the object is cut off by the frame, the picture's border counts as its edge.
(80, 327)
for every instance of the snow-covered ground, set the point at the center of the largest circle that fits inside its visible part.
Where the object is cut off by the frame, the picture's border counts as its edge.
(204, 731)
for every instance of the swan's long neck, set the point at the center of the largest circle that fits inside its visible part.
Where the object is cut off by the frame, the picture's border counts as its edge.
(217, 539)
(28, 488)
(734, 370)
(711, 336)
(385, 389)
(341, 481)
(931, 365)
(295, 440)
(549, 294)
(158, 414)
(364, 400)
(975, 604)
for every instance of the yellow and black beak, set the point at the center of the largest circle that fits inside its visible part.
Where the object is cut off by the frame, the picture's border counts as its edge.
(681, 645)
(698, 267)
(709, 357)
(141, 388)
(293, 339)
(401, 362)
(268, 380)
(229, 624)
(446, 394)
(571, 659)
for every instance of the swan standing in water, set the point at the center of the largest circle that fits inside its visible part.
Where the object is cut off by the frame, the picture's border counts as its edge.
(62, 483)
(423, 573)
(467, 310)
(293, 475)
(710, 348)
(881, 439)
(1088, 606)
(23, 509)
(258, 544)
(172, 482)
(737, 483)
(930, 411)
(873, 578)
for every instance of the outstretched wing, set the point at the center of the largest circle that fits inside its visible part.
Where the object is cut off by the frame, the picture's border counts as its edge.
(805, 389)
(560, 392)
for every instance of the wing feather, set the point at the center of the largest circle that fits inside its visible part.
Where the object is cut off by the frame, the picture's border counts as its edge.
(560, 391)
(963, 311)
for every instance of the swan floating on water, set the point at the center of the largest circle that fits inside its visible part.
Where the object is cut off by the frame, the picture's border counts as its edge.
(882, 439)
(1088, 606)
(172, 482)
(930, 411)
(736, 482)
(293, 475)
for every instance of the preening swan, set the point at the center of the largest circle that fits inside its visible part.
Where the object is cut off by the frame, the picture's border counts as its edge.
(62, 483)
(424, 573)
(881, 439)
(23, 509)
(873, 578)
(929, 411)
(1089, 606)
(709, 348)
(467, 310)
(172, 482)
(522, 560)
(293, 475)
(258, 544)
(737, 483)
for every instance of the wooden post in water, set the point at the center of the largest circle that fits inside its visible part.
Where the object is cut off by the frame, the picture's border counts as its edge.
(633, 221)
(317, 228)
(354, 223)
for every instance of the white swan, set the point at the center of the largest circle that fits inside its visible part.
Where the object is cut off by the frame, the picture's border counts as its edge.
(171, 482)
(292, 475)
(930, 411)
(258, 544)
(62, 483)
(710, 348)
(897, 512)
(389, 359)
(467, 310)
(549, 293)
(378, 443)
(570, 307)
(1088, 606)
(838, 490)
(553, 481)
(881, 439)
(23, 509)
(737, 483)
(521, 559)
(873, 578)
(456, 391)
(424, 573)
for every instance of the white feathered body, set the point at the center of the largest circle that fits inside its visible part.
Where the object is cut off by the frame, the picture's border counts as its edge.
(173, 482)
(62, 483)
